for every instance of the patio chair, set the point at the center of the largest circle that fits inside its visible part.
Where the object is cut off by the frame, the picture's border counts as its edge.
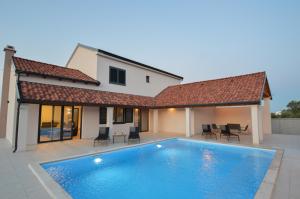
(103, 135)
(225, 131)
(235, 127)
(134, 134)
(245, 129)
(215, 128)
(206, 130)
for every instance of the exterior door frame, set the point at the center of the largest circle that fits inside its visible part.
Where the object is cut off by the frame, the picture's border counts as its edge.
(141, 118)
(62, 123)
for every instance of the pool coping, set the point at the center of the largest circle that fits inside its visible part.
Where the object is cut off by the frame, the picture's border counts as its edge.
(267, 186)
(265, 190)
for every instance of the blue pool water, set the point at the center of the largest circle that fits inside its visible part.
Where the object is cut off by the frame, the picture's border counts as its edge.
(175, 168)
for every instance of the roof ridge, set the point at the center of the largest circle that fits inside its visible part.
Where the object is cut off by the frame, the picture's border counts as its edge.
(209, 80)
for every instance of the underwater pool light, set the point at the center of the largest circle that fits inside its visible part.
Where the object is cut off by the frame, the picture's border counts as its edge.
(97, 160)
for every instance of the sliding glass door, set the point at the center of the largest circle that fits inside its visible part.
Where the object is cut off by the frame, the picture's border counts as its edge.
(56, 123)
(50, 123)
(68, 124)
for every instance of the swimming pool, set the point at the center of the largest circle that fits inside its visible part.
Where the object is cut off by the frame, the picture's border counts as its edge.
(176, 168)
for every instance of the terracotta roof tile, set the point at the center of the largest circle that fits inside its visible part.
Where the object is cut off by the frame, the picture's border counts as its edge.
(244, 89)
(44, 69)
(46, 93)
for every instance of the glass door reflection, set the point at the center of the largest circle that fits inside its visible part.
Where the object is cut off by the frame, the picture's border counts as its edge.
(68, 124)
(50, 123)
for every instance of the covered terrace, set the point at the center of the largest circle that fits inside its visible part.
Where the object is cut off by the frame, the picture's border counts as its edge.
(243, 100)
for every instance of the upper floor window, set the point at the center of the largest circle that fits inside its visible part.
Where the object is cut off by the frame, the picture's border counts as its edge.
(117, 76)
(148, 79)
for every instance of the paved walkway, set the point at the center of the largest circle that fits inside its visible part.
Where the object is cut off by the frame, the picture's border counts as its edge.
(17, 181)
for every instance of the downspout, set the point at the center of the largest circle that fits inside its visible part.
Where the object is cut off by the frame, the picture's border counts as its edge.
(17, 126)
(18, 116)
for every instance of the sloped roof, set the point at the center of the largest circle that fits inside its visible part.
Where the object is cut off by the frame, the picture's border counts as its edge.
(100, 51)
(243, 89)
(239, 90)
(46, 93)
(49, 70)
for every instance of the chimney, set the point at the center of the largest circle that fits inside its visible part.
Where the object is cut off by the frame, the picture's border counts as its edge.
(9, 53)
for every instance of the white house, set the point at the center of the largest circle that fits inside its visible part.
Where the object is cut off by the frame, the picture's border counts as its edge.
(44, 103)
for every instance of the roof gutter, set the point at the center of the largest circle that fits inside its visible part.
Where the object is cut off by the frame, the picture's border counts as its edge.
(32, 101)
(210, 105)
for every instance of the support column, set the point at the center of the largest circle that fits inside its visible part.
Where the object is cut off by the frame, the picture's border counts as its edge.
(188, 125)
(155, 121)
(256, 124)
(23, 127)
(260, 123)
(9, 53)
(192, 122)
(110, 119)
(267, 126)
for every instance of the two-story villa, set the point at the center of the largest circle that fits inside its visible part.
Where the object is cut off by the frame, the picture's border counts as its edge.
(44, 103)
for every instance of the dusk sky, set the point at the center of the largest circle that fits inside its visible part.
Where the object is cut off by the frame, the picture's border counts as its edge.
(198, 40)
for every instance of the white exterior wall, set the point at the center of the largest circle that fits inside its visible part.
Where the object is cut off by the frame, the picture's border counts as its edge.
(90, 122)
(135, 78)
(118, 128)
(267, 126)
(189, 122)
(171, 120)
(205, 115)
(28, 127)
(12, 107)
(151, 122)
(56, 82)
(174, 120)
(256, 120)
(97, 66)
(84, 60)
(237, 115)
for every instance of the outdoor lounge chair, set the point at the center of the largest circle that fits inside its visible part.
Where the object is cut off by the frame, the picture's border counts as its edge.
(103, 135)
(134, 134)
(206, 130)
(225, 131)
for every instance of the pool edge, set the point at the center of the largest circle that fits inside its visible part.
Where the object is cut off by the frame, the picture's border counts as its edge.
(265, 190)
(267, 186)
(52, 187)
